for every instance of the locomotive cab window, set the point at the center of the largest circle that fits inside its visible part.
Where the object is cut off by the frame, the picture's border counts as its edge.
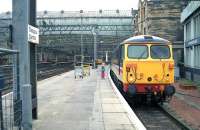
(160, 52)
(137, 51)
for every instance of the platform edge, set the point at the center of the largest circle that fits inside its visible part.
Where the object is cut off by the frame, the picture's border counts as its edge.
(131, 115)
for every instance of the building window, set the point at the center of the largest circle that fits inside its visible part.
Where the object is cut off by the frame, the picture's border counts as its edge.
(197, 56)
(197, 26)
(188, 57)
(188, 31)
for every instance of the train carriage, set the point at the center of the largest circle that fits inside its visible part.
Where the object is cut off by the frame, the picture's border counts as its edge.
(144, 67)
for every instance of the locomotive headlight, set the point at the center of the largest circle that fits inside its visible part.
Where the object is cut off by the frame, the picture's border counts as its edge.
(128, 68)
(171, 66)
(167, 79)
(131, 79)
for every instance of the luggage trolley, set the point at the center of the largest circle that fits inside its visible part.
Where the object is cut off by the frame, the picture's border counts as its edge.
(86, 69)
(82, 66)
(87, 65)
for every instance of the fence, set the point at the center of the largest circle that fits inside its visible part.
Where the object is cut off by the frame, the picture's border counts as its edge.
(5, 36)
(10, 103)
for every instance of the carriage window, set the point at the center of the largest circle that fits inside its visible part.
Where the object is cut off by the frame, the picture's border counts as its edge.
(137, 51)
(160, 52)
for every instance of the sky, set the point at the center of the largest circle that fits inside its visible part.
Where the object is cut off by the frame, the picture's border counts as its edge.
(76, 5)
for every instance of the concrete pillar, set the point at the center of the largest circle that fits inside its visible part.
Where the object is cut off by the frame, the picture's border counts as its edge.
(20, 22)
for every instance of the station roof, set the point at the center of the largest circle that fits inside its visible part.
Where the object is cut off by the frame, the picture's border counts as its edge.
(106, 22)
(100, 13)
(70, 14)
(145, 39)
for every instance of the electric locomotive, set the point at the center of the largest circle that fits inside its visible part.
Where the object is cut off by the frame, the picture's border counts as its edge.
(144, 67)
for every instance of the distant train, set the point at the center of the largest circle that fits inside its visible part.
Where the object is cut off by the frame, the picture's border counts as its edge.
(144, 67)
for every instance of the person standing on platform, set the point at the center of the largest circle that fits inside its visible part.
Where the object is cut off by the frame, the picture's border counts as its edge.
(103, 70)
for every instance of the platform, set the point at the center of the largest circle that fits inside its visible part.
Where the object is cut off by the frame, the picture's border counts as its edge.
(66, 103)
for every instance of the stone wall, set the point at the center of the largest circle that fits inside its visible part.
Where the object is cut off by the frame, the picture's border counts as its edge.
(161, 18)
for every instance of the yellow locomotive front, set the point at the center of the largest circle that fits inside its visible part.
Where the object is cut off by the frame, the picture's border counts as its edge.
(148, 64)
(147, 67)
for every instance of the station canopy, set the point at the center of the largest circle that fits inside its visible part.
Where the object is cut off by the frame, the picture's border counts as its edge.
(66, 30)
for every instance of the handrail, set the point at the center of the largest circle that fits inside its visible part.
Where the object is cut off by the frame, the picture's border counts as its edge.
(4, 51)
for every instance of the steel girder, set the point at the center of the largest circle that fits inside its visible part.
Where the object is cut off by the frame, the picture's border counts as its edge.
(85, 29)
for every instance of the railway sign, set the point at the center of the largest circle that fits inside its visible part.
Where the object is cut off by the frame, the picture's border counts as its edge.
(33, 34)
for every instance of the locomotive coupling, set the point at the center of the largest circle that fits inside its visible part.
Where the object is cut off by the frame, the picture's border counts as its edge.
(169, 90)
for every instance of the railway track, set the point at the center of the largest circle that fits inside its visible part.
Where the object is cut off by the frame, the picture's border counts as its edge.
(154, 116)
(44, 71)
(51, 72)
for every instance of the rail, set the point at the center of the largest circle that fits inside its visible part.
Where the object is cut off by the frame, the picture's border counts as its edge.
(182, 124)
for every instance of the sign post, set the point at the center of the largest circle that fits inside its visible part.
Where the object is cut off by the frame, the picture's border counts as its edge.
(33, 34)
